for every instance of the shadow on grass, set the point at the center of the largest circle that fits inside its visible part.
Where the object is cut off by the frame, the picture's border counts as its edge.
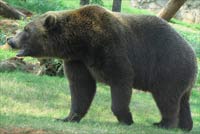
(50, 125)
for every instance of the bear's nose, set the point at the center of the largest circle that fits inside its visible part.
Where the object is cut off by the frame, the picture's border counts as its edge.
(10, 42)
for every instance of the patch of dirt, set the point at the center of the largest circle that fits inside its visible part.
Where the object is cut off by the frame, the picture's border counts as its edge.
(23, 131)
(8, 25)
(5, 47)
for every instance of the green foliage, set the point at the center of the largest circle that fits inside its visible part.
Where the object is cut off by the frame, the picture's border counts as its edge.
(41, 6)
(99, 2)
(2, 37)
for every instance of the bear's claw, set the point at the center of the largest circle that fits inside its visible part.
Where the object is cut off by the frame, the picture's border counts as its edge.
(166, 125)
(71, 118)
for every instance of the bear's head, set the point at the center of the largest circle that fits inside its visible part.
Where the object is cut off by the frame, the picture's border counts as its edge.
(35, 39)
(64, 34)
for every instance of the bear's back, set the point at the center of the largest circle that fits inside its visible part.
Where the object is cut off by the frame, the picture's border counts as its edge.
(157, 51)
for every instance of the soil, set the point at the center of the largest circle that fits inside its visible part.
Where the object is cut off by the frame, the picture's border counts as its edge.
(8, 25)
(27, 131)
(22, 131)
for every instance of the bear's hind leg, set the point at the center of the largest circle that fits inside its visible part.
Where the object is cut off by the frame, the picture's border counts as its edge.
(82, 88)
(185, 119)
(168, 104)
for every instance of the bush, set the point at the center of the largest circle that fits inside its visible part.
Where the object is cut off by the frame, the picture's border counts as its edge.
(2, 37)
(99, 2)
(42, 6)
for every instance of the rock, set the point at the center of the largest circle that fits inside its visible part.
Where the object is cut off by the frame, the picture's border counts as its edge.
(51, 67)
(15, 63)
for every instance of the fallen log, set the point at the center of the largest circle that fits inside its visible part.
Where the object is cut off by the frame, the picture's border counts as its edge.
(10, 12)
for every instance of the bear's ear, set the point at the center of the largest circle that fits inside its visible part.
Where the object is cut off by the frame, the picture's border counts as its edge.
(50, 21)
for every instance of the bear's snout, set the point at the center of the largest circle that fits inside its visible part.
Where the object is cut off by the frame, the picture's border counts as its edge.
(11, 42)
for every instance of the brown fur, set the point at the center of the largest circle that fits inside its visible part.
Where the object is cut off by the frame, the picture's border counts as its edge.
(121, 50)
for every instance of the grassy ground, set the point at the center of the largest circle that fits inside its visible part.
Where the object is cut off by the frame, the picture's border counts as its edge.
(29, 103)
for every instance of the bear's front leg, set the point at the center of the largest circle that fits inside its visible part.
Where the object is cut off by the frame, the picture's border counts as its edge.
(120, 79)
(82, 88)
(121, 95)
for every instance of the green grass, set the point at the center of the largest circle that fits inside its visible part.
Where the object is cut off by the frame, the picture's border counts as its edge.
(191, 35)
(6, 54)
(35, 101)
(194, 26)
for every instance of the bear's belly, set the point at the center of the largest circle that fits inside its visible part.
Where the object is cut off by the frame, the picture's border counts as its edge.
(98, 75)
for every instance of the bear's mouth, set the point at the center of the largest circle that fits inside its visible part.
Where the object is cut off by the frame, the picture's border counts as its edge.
(22, 53)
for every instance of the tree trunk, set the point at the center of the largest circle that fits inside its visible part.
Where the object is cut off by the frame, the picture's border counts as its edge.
(170, 9)
(10, 12)
(116, 5)
(84, 2)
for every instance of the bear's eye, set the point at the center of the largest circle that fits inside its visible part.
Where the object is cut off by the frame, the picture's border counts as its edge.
(26, 32)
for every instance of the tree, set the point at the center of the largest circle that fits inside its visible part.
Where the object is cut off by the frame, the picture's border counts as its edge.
(170, 9)
(116, 5)
(84, 2)
(9, 11)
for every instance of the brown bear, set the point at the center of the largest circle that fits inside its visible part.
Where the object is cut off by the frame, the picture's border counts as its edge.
(121, 50)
